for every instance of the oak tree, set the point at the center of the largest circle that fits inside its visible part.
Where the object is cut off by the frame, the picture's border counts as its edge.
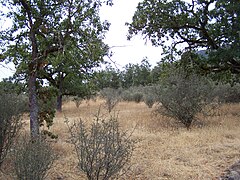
(179, 26)
(48, 36)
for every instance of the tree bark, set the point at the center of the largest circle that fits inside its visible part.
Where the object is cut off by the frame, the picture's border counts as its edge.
(59, 103)
(33, 102)
(34, 125)
(60, 93)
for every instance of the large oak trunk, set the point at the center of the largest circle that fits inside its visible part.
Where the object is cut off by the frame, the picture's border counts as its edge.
(34, 125)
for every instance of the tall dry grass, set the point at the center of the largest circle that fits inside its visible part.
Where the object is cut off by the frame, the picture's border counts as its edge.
(166, 149)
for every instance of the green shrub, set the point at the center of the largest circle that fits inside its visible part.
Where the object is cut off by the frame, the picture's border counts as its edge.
(32, 159)
(134, 94)
(126, 95)
(137, 97)
(149, 97)
(103, 150)
(112, 97)
(225, 93)
(183, 96)
(12, 107)
(149, 100)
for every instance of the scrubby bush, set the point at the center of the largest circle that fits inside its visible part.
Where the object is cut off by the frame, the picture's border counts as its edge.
(103, 150)
(149, 100)
(32, 159)
(134, 94)
(183, 96)
(112, 97)
(12, 107)
(149, 97)
(226, 93)
(126, 95)
(137, 97)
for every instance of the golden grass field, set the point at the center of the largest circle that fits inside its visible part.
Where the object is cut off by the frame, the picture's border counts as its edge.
(166, 150)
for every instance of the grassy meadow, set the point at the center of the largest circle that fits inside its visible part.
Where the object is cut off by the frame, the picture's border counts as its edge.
(166, 150)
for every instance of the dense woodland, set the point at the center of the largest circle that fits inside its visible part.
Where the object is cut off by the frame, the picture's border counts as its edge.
(59, 53)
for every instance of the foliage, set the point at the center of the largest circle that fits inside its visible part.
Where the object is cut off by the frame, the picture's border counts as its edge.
(11, 108)
(133, 94)
(137, 97)
(193, 25)
(137, 74)
(131, 75)
(69, 33)
(149, 100)
(103, 150)
(149, 97)
(108, 78)
(126, 95)
(81, 86)
(7, 86)
(47, 104)
(183, 96)
(32, 158)
(158, 71)
(225, 93)
(111, 96)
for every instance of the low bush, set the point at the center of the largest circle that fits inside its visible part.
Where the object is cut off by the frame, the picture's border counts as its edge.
(32, 159)
(149, 100)
(183, 96)
(137, 97)
(12, 107)
(149, 97)
(126, 95)
(103, 150)
(134, 94)
(226, 93)
(112, 97)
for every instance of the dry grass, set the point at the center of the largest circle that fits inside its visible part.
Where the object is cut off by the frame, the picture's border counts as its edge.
(166, 150)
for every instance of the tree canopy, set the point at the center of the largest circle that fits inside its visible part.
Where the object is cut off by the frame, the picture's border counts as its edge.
(213, 25)
(137, 74)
